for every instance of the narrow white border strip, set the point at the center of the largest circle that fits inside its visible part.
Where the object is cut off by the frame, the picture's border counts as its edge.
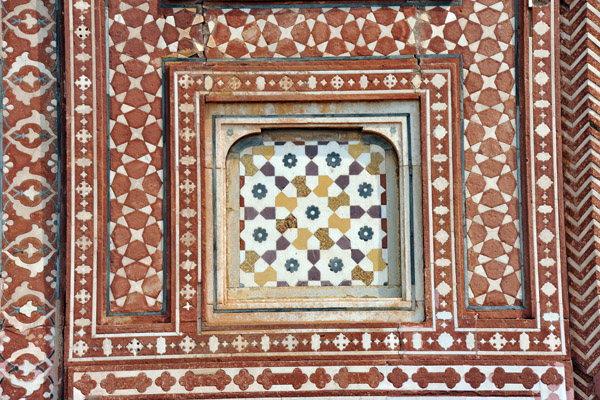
(555, 132)
(72, 193)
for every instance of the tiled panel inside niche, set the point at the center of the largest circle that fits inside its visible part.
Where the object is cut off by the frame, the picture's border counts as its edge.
(313, 213)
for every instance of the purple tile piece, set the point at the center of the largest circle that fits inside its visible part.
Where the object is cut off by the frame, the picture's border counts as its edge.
(357, 255)
(374, 212)
(311, 151)
(281, 182)
(268, 169)
(355, 168)
(282, 284)
(314, 274)
(268, 213)
(343, 181)
(356, 212)
(312, 169)
(345, 283)
(302, 283)
(282, 243)
(269, 256)
(314, 256)
(343, 243)
(250, 213)
(326, 283)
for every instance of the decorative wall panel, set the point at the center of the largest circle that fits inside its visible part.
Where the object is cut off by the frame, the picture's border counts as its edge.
(144, 224)
(228, 127)
(313, 207)
(115, 115)
(29, 287)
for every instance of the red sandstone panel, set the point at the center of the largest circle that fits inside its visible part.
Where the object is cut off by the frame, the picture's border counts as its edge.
(30, 200)
(580, 132)
(46, 25)
(138, 40)
(310, 379)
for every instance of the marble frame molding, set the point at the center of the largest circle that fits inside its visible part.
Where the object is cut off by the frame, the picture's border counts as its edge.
(226, 130)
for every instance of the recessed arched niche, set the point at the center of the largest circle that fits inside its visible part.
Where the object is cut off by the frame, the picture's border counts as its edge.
(317, 214)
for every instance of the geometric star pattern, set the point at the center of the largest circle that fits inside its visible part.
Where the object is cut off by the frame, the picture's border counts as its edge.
(313, 214)
(490, 145)
(138, 39)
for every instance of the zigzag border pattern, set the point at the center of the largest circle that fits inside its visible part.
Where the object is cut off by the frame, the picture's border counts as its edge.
(580, 52)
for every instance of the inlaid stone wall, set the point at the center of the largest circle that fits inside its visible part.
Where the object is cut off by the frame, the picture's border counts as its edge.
(30, 299)
(141, 215)
(142, 286)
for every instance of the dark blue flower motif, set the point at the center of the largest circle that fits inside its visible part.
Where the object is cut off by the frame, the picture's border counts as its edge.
(260, 235)
(333, 159)
(290, 160)
(365, 189)
(312, 212)
(365, 233)
(259, 191)
(336, 264)
(292, 265)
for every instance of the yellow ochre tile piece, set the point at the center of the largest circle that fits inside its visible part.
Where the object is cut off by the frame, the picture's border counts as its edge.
(289, 222)
(336, 202)
(265, 151)
(248, 162)
(373, 167)
(322, 188)
(248, 264)
(376, 258)
(325, 241)
(288, 202)
(301, 241)
(343, 224)
(359, 274)
(357, 149)
(300, 183)
(269, 275)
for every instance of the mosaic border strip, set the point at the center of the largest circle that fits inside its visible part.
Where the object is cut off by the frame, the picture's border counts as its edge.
(300, 4)
(579, 33)
(30, 270)
(120, 219)
(317, 380)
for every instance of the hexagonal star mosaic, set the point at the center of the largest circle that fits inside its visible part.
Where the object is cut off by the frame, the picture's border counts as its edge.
(313, 213)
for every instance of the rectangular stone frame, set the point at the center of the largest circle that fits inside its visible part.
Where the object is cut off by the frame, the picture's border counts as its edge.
(407, 307)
